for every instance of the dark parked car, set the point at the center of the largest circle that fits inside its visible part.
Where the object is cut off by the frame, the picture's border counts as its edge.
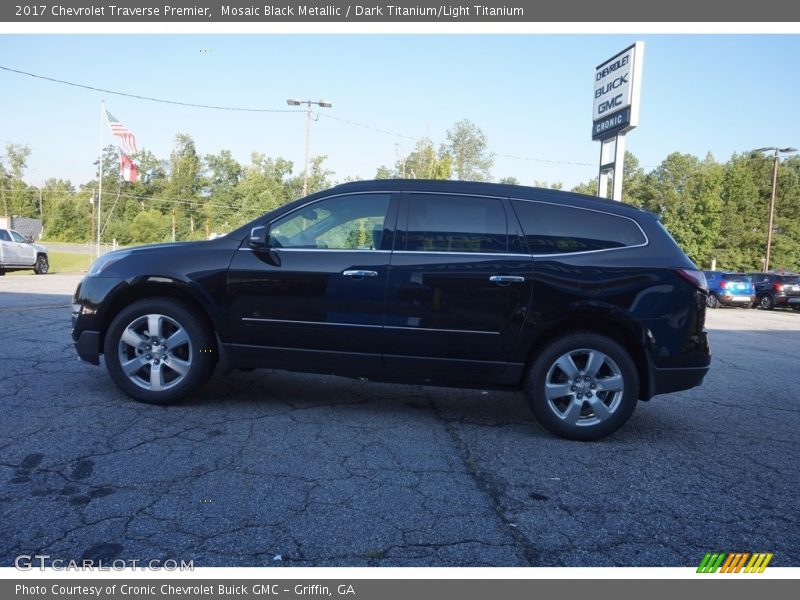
(729, 289)
(587, 305)
(773, 289)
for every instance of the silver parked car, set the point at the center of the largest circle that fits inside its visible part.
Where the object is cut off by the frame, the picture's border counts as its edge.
(18, 253)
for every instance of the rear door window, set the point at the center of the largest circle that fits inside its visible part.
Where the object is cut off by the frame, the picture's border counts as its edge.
(452, 223)
(557, 229)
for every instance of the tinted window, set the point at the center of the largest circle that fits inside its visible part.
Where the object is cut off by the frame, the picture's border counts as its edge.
(4, 236)
(442, 223)
(16, 236)
(788, 279)
(342, 223)
(551, 229)
(736, 277)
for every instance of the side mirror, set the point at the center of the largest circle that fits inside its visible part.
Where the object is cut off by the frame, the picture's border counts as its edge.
(258, 238)
(29, 239)
(258, 242)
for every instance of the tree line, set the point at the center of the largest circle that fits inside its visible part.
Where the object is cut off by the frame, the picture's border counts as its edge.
(714, 210)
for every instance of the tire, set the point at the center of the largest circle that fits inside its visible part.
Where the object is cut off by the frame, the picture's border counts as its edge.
(712, 301)
(766, 302)
(130, 341)
(42, 265)
(567, 415)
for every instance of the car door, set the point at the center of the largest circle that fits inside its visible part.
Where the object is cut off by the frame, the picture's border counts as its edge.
(26, 253)
(9, 255)
(459, 286)
(316, 294)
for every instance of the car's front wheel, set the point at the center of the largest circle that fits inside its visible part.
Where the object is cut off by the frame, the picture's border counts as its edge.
(42, 265)
(712, 301)
(583, 386)
(159, 350)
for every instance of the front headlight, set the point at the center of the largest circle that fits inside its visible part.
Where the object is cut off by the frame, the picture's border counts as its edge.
(105, 261)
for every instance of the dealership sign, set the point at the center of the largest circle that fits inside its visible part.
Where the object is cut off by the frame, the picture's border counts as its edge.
(616, 93)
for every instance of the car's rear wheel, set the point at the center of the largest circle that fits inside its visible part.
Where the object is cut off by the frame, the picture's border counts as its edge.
(42, 265)
(766, 302)
(159, 350)
(712, 301)
(583, 386)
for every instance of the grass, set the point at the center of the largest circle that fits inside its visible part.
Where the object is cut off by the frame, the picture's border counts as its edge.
(64, 262)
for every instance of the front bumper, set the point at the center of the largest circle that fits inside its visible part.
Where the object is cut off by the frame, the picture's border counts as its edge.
(88, 346)
(88, 317)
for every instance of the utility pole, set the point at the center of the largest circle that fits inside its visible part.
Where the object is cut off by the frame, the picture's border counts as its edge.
(775, 160)
(308, 103)
(173, 224)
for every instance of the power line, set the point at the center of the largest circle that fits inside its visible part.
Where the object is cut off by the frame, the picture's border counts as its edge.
(149, 98)
(283, 110)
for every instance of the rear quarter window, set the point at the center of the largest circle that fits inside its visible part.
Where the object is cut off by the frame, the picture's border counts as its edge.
(556, 229)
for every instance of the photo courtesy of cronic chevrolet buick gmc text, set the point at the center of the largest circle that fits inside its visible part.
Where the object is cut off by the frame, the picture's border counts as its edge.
(586, 305)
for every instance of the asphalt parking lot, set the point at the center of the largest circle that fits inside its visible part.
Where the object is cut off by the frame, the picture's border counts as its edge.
(270, 468)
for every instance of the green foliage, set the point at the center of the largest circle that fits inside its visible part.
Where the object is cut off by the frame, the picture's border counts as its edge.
(715, 211)
(150, 226)
(467, 147)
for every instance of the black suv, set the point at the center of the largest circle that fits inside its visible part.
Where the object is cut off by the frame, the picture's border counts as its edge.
(587, 305)
(773, 289)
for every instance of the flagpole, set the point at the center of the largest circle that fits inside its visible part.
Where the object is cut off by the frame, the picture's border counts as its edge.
(100, 170)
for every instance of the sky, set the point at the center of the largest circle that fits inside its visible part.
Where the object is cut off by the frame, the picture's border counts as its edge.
(531, 94)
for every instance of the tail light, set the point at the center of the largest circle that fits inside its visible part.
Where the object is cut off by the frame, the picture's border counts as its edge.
(777, 287)
(723, 284)
(695, 277)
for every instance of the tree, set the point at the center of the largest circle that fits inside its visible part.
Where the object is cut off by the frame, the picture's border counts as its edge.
(556, 185)
(15, 193)
(423, 162)
(467, 147)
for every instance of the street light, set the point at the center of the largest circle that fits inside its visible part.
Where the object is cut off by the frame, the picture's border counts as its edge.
(777, 151)
(308, 103)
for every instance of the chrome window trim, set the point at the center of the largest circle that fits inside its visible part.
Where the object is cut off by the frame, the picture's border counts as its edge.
(438, 252)
(323, 250)
(605, 212)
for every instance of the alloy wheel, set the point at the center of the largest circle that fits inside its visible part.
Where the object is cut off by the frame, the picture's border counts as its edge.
(584, 387)
(155, 352)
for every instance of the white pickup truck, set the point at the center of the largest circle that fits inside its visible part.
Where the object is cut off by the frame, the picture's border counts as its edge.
(18, 253)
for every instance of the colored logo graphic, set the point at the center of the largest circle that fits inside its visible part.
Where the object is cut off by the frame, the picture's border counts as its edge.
(734, 562)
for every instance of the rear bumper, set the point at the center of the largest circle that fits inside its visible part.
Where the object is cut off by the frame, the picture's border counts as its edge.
(787, 300)
(737, 299)
(689, 371)
(665, 381)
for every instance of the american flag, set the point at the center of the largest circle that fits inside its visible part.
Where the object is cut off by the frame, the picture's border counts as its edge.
(127, 139)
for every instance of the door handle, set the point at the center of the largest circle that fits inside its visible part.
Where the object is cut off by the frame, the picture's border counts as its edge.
(358, 273)
(506, 279)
